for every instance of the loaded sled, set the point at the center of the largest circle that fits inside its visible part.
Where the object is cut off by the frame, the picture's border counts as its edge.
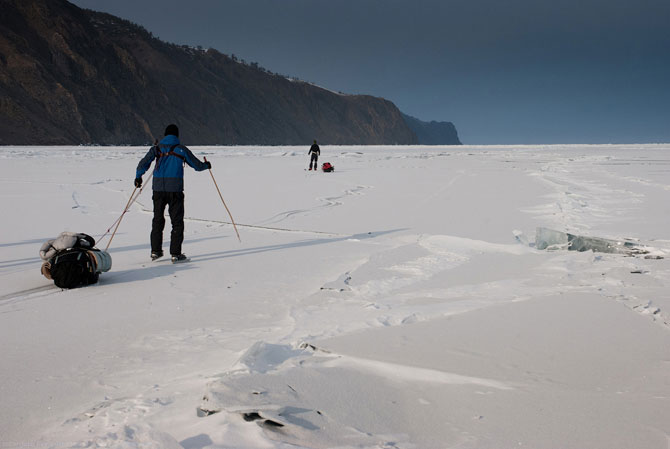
(71, 260)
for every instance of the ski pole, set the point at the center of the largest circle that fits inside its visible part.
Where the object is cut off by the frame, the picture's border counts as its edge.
(131, 201)
(224, 204)
(118, 221)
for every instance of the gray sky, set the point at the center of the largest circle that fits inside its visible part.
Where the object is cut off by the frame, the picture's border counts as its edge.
(504, 71)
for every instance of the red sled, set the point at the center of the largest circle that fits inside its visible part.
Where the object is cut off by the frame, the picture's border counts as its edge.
(327, 167)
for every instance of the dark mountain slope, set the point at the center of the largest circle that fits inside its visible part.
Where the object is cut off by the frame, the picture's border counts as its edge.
(71, 76)
(433, 133)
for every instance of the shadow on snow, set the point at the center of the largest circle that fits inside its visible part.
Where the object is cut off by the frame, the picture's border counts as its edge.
(165, 268)
(282, 246)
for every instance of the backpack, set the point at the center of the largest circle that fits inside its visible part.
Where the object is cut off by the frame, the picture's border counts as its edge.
(327, 167)
(71, 268)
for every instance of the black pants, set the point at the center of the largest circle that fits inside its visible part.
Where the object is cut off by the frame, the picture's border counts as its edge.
(313, 160)
(175, 203)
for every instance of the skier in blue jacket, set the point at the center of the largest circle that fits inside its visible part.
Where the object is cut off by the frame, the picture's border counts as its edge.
(168, 189)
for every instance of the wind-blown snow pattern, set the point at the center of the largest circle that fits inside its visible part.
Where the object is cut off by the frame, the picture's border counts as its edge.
(398, 302)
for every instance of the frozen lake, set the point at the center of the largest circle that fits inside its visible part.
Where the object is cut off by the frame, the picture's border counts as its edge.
(398, 302)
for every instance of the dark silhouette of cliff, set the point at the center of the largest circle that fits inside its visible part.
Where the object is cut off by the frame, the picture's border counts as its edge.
(74, 76)
(433, 133)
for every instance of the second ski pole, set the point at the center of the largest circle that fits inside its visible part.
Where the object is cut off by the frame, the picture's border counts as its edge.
(224, 204)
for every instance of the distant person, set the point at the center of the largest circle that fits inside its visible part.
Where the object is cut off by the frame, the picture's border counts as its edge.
(168, 189)
(315, 151)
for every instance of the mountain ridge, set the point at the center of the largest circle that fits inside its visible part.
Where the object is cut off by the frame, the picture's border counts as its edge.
(76, 76)
(433, 132)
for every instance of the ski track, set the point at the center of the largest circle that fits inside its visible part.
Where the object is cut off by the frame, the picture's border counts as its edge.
(328, 202)
(145, 210)
(27, 294)
(579, 204)
(77, 204)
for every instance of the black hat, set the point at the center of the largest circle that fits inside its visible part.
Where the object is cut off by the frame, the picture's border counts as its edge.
(172, 130)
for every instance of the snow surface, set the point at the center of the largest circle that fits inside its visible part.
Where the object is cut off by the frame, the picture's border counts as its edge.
(393, 303)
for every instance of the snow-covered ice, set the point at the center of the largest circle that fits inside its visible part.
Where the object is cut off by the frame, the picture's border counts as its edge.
(398, 302)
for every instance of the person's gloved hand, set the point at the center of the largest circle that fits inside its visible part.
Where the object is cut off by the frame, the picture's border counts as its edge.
(138, 182)
(208, 164)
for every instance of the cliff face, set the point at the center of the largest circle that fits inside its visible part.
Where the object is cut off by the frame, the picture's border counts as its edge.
(433, 133)
(73, 76)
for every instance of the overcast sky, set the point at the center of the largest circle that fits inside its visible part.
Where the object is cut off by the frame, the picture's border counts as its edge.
(503, 71)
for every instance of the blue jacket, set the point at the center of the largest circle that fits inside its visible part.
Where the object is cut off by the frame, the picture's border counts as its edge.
(169, 170)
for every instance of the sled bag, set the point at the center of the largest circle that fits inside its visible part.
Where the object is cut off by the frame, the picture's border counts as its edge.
(73, 267)
(66, 240)
(327, 167)
(102, 260)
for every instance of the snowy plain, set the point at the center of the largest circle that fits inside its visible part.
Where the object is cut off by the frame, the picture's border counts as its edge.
(398, 302)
